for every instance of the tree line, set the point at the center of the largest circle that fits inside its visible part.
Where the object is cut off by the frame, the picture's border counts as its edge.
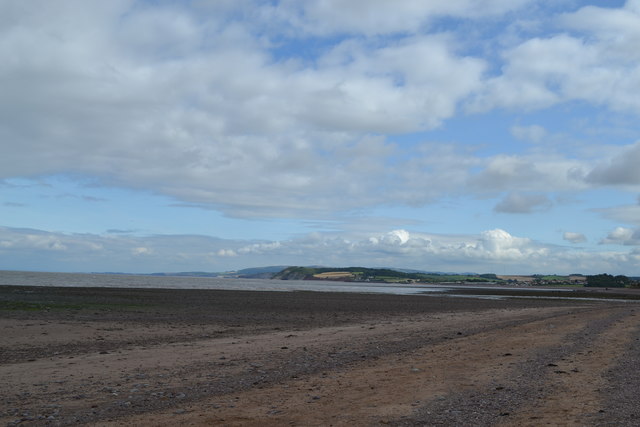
(608, 281)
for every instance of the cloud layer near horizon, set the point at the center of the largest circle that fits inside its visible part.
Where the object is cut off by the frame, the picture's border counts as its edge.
(490, 251)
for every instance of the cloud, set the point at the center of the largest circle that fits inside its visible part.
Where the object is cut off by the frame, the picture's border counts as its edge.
(523, 203)
(619, 170)
(529, 173)
(213, 105)
(400, 246)
(141, 251)
(596, 63)
(226, 253)
(35, 240)
(199, 109)
(574, 237)
(629, 214)
(622, 236)
(379, 17)
(607, 25)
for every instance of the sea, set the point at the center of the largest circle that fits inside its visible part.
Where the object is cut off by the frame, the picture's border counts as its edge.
(28, 278)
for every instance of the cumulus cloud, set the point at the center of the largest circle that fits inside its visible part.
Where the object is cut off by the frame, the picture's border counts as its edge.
(392, 247)
(499, 244)
(523, 203)
(573, 237)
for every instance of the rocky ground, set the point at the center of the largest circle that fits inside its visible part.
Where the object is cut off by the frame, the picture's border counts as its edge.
(194, 357)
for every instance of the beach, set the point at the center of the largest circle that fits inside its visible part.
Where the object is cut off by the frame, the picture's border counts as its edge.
(111, 356)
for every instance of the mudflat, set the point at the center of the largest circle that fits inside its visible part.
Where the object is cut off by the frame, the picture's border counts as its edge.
(108, 356)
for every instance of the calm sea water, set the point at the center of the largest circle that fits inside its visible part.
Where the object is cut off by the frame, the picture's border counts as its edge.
(25, 278)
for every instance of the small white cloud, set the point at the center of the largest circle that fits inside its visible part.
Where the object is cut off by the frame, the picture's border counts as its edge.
(141, 251)
(574, 237)
(259, 248)
(397, 237)
(226, 253)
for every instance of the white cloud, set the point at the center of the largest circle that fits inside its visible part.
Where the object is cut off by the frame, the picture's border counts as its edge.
(226, 253)
(499, 244)
(573, 237)
(623, 236)
(396, 237)
(400, 246)
(617, 28)
(598, 64)
(141, 251)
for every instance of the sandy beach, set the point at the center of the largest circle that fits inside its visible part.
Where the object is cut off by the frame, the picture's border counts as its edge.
(103, 356)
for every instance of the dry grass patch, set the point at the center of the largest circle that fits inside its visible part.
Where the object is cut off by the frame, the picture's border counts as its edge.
(331, 275)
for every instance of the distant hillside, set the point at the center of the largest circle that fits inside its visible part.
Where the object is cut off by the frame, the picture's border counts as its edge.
(260, 272)
(385, 275)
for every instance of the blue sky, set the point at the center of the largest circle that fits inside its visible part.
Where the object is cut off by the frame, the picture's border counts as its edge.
(459, 135)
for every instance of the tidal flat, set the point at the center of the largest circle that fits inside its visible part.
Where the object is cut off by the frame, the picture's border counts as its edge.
(113, 356)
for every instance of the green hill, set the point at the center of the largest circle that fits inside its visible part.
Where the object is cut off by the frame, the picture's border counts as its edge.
(385, 275)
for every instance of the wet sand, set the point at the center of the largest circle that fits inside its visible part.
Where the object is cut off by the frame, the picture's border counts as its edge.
(161, 357)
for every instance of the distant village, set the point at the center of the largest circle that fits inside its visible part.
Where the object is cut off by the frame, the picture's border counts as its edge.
(544, 280)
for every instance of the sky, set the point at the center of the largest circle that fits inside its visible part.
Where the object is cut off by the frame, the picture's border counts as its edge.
(445, 135)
